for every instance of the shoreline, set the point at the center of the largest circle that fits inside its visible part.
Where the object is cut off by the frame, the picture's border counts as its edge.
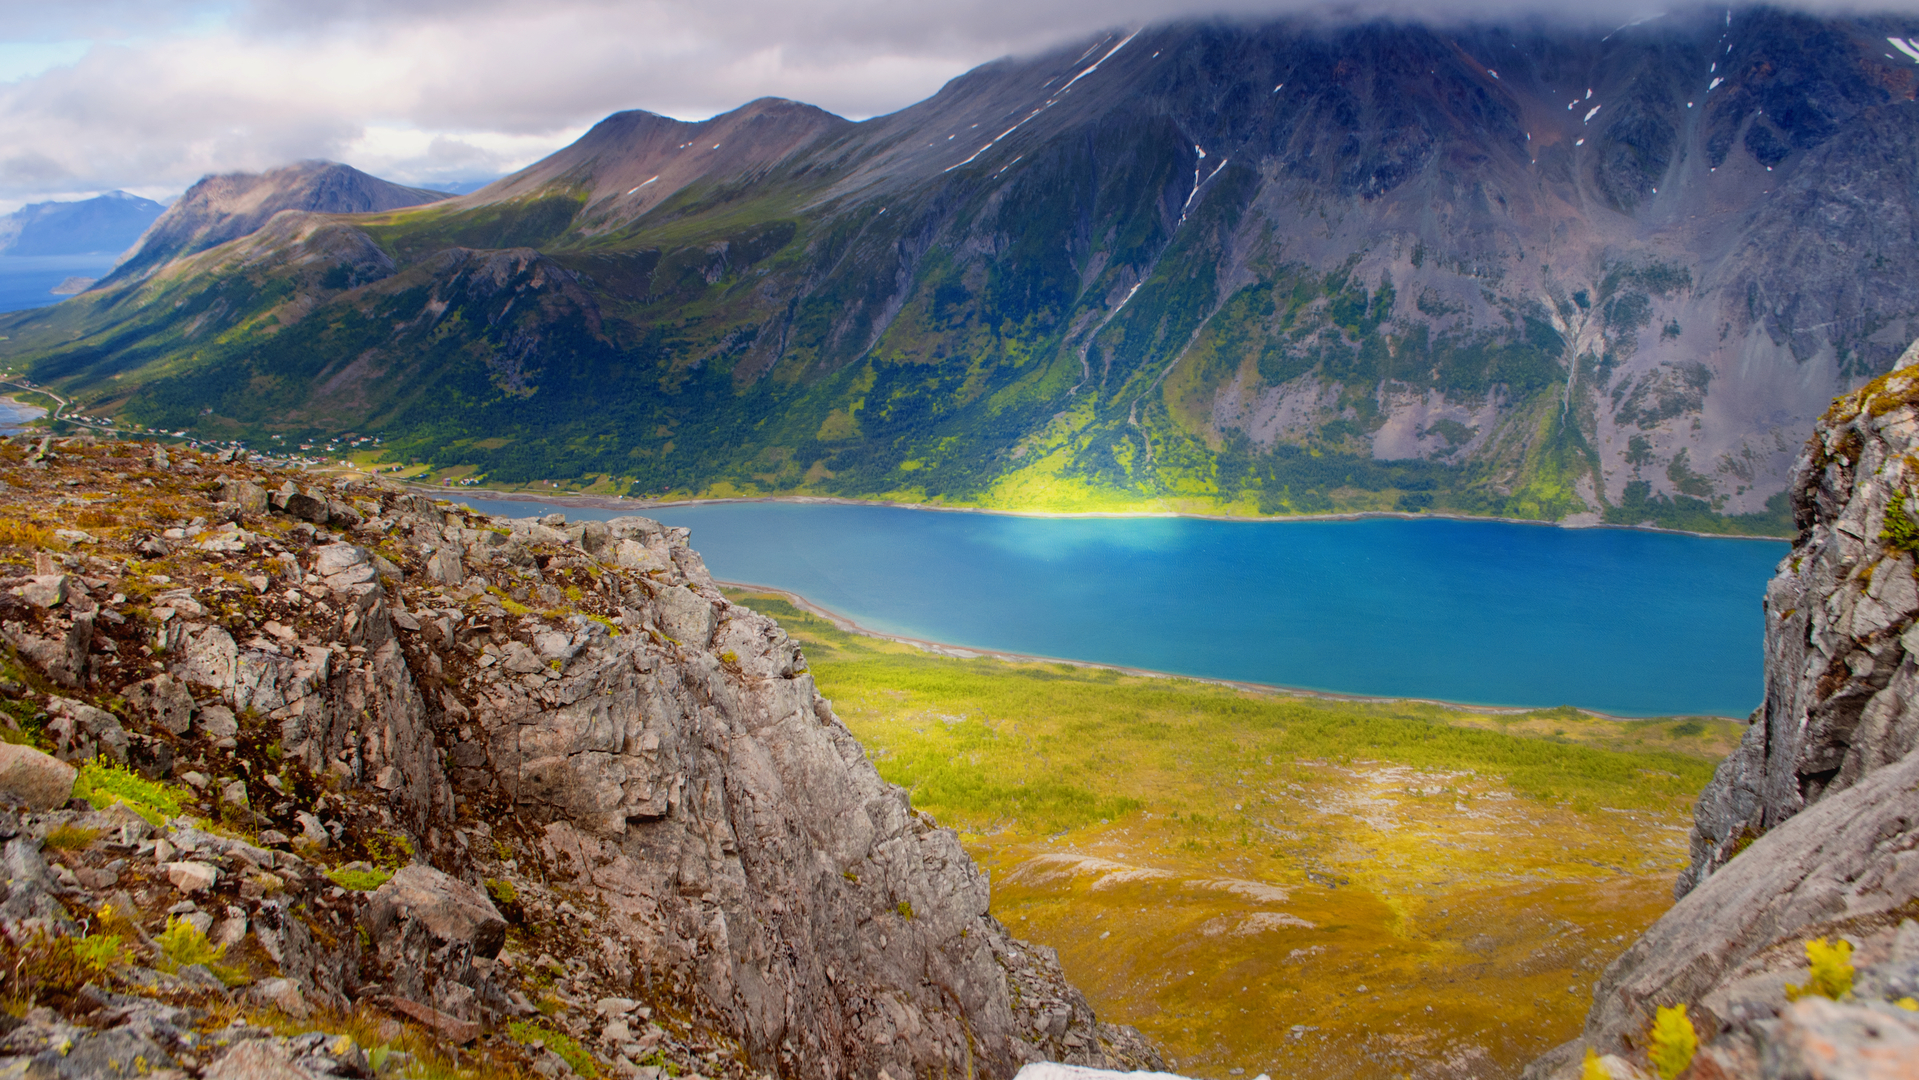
(964, 652)
(23, 413)
(612, 502)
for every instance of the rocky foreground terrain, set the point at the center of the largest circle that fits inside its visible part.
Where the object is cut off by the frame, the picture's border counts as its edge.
(1810, 830)
(309, 780)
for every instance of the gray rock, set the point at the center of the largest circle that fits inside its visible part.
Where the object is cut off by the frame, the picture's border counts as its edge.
(166, 700)
(1730, 944)
(520, 660)
(446, 567)
(218, 722)
(82, 732)
(450, 909)
(119, 1052)
(39, 780)
(211, 659)
(29, 887)
(306, 507)
(686, 617)
(634, 555)
(1817, 1039)
(1842, 681)
(281, 994)
(344, 565)
(250, 497)
(256, 1059)
(45, 590)
(192, 877)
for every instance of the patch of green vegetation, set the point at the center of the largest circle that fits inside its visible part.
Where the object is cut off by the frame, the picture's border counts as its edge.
(1901, 532)
(1639, 506)
(71, 837)
(532, 1033)
(501, 890)
(1052, 747)
(359, 877)
(390, 850)
(102, 952)
(104, 784)
(182, 945)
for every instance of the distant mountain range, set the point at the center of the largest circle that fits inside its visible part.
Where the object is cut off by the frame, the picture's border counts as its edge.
(104, 224)
(1278, 268)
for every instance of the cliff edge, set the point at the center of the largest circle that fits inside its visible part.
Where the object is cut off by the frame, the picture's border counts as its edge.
(529, 794)
(1810, 829)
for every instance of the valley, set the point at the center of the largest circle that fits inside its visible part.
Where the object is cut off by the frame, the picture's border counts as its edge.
(1278, 884)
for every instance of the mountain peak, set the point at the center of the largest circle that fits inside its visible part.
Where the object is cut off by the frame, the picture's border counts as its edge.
(227, 206)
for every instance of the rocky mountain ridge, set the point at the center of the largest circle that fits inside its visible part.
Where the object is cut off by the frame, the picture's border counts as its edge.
(1250, 268)
(231, 206)
(1808, 830)
(519, 794)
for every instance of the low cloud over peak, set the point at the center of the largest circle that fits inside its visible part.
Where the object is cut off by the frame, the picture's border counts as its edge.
(111, 94)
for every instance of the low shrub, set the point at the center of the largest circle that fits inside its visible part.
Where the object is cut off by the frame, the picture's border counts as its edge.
(182, 945)
(1831, 971)
(1673, 1042)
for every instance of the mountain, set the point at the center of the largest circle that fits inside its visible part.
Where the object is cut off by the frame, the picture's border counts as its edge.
(1806, 832)
(1240, 268)
(105, 223)
(229, 206)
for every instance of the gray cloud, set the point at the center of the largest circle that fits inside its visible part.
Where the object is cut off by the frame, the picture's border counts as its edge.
(435, 90)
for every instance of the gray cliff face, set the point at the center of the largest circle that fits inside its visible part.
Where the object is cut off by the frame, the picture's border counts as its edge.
(1809, 829)
(616, 786)
(687, 780)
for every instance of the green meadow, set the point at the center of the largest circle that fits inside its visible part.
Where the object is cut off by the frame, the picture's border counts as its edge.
(1223, 867)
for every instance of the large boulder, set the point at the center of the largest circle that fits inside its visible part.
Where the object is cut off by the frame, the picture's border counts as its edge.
(449, 908)
(40, 781)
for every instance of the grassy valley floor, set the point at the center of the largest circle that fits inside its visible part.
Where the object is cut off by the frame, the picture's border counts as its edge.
(1300, 886)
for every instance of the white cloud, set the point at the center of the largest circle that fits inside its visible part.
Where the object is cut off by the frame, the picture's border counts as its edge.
(99, 94)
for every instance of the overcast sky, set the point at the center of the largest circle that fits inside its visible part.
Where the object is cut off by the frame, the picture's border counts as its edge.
(149, 95)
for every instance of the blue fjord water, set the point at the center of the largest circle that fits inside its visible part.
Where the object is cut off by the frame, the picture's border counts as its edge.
(27, 281)
(1484, 612)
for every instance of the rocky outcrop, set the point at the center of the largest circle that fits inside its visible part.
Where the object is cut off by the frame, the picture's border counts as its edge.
(1842, 660)
(1809, 829)
(466, 771)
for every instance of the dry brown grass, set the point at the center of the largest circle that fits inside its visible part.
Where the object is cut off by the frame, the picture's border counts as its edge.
(17, 533)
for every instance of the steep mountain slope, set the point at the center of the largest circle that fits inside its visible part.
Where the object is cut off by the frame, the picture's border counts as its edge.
(232, 205)
(1249, 268)
(105, 223)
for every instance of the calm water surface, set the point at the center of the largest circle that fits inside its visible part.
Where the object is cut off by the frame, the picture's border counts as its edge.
(1484, 612)
(27, 281)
